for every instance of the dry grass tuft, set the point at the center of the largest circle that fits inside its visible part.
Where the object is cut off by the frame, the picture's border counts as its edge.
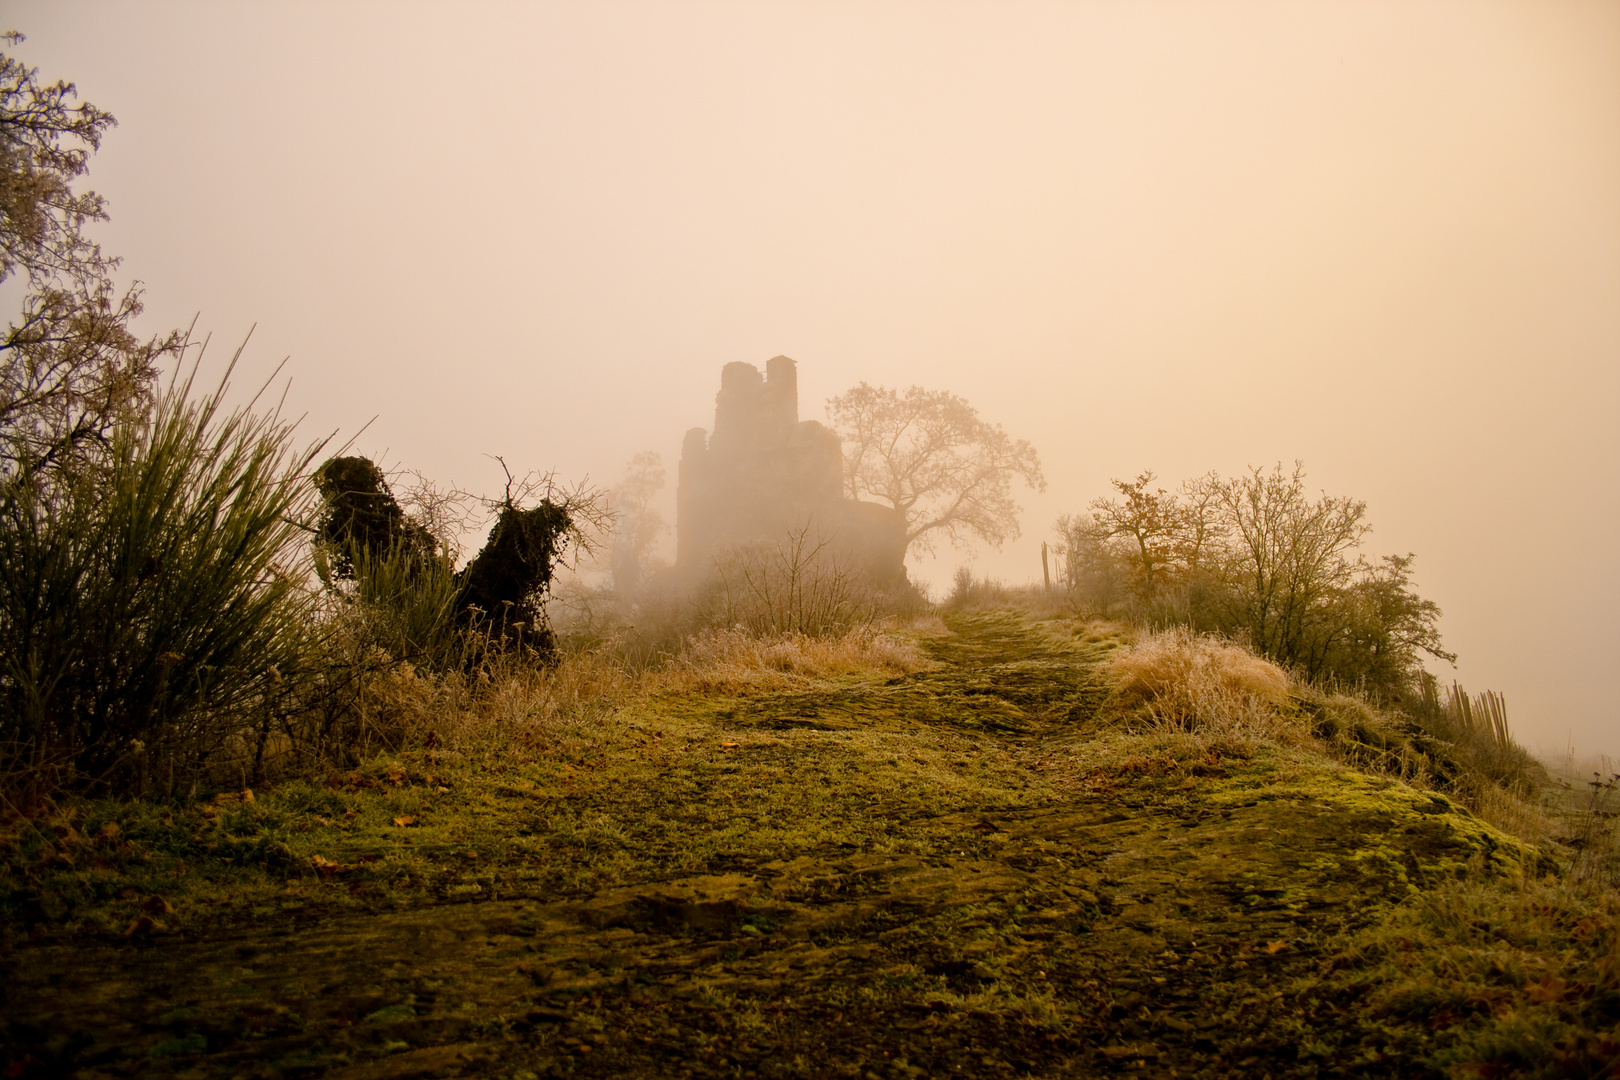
(971, 594)
(394, 706)
(1179, 680)
(402, 707)
(731, 661)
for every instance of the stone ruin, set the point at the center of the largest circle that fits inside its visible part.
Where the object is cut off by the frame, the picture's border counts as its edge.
(764, 474)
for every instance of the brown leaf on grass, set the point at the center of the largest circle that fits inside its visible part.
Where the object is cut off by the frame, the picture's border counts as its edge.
(156, 905)
(21, 1066)
(326, 867)
(985, 827)
(729, 745)
(108, 833)
(1550, 988)
(218, 804)
(396, 776)
(353, 781)
(406, 821)
(143, 925)
(1275, 947)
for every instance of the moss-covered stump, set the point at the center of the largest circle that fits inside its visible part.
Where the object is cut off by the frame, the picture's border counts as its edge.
(892, 880)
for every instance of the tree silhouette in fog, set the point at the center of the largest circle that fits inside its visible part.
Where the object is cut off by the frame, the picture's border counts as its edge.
(928, 454)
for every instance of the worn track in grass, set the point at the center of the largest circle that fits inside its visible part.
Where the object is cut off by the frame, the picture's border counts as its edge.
(1156, 918)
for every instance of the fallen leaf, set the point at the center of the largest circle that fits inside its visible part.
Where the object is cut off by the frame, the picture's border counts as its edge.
(20, 1066)
(406, 821)
(1275, 947)
(143, 925)
(108, 832)
(1550, 988)
(395, 776)
(326, 867)
(156, 905)
(729, 745)
(985, 827)
(444, 790)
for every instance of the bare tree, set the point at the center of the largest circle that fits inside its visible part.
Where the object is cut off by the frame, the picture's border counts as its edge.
(1289, 558)
(71, 369)
(637, 525)
(1163, 536)
(797, 584)
(929, 455)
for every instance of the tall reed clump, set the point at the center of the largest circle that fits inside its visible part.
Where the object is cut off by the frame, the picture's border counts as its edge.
(149, 612)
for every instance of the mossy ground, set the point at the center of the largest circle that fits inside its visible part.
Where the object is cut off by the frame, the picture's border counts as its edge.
(965, 871)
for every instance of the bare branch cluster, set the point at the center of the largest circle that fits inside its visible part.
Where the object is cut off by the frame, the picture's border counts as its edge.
(71, 368)
(928, 454)
(797, 584)
(1258, 557)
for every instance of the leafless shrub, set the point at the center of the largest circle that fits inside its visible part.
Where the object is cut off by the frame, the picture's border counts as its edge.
(798, 584)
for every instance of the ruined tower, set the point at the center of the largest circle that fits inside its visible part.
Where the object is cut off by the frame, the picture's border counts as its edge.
(764, 472)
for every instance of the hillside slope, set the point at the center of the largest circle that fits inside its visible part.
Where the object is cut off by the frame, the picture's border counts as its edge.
(932, 875)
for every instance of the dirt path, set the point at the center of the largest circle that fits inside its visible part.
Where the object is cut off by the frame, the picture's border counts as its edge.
(1160, 920)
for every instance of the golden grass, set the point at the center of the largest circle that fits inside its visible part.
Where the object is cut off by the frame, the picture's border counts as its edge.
(734, 661)
(1181, 694)
(401, 707)
(988, 594)
(1178, 680)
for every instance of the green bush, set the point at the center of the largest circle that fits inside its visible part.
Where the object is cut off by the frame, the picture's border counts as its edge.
(407, 607)
(151, 613)
(1256, 558)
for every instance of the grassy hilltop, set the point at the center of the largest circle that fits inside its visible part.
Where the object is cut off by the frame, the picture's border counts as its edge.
(1008, 843)
(291, 788)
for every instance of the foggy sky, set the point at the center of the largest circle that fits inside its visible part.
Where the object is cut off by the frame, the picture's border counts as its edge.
(1382, 238)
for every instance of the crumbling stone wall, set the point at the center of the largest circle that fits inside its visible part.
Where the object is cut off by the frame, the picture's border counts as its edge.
(764, 472)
